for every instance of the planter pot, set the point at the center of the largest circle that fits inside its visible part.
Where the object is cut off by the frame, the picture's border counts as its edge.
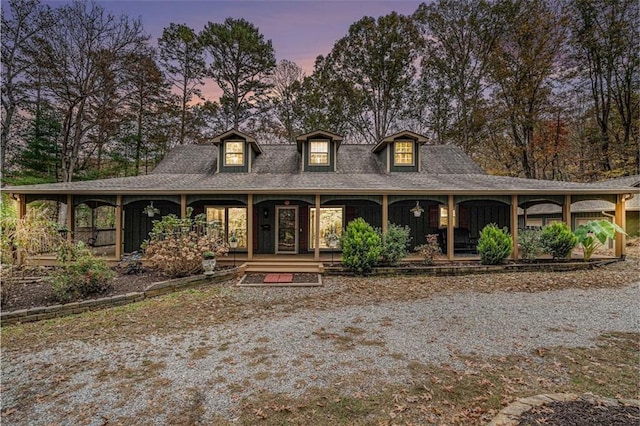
(151, 214)
(417, 213)
(208, 265)
(233, 244)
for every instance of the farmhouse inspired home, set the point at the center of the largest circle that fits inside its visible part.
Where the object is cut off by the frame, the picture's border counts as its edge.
(291, 200)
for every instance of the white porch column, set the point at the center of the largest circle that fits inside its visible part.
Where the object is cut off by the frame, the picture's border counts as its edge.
(450, 225)
(249, 227)
(119, 230)
(316, 251)
(620, 218)
(514, 225)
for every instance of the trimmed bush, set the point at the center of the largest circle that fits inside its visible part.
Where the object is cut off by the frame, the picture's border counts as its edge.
(394, 243)
(558, 240)
(81, 273)
(530, 245)
(361, 246)
(176, 246)
(494, 244)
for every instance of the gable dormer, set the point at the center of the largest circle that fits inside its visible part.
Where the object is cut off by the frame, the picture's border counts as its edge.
(400, 152)
(236, 151)
(319, 150)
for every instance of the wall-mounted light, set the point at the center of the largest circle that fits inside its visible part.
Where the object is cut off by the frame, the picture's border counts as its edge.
(417, 209)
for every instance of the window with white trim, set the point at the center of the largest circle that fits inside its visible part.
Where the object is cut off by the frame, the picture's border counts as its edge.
(319, 153)
(403, 153)
(233, 153)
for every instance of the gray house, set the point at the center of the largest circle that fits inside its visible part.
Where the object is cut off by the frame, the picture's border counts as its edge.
(282, 200)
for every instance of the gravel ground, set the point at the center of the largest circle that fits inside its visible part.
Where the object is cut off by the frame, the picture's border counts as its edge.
(215, 367)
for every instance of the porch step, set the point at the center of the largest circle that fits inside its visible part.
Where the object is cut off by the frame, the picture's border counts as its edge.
(291, 267)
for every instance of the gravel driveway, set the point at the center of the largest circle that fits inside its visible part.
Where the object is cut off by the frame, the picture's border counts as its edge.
(95, 382)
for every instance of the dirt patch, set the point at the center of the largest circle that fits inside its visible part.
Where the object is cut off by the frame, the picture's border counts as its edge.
(580, 413)
(34, 289)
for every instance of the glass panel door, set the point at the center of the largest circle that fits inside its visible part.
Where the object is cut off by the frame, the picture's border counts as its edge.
(286, 229)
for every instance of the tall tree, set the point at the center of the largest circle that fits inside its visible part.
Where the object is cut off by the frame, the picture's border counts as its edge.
(605, 38)
(79, 58)
(21, 22)
(182, 58)
(377, 58)
(459, 35)
(286, 82)
(323, 101)
(147, 90)
(524, 66)
(241, 62)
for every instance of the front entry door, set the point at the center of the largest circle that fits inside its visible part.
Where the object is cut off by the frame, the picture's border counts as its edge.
(286, 230)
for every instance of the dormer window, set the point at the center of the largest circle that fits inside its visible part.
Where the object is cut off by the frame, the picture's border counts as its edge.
(319, 152)
(403, 153)
(234, 153)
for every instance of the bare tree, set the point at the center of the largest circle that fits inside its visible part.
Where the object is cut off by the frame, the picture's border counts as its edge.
(286, 81)
(79, 58)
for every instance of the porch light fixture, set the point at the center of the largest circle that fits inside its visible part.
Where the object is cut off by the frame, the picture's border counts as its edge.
(417, 209)
(150, 210)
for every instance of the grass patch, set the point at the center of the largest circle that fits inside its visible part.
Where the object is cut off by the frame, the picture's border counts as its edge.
(469, 396)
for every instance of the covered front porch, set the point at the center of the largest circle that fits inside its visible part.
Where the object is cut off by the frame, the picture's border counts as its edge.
(295, 227)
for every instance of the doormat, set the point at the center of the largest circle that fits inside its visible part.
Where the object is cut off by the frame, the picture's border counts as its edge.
(296, 279)
(278, 278)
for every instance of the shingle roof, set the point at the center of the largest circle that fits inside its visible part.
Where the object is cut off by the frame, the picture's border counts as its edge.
(190, 169)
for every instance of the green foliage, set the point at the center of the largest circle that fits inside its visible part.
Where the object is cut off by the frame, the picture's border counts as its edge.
(376, 63)
(529, 242)
(177, 246)
(594, 234)
(241, 62)
(394, 243)
(494, 244)
(40, 158)
(81, 274)
(361, 246)
(558, 240)
(429, 250)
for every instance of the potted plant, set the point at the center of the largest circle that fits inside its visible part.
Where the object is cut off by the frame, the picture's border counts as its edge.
(150, 210)
(233, 241)
(208, 262)
(417, 209)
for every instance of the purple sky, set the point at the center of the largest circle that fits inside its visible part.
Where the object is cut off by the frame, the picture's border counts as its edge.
(299, 30)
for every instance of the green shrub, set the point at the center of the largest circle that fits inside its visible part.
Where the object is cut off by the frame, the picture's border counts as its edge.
(558, 240)
(394, 243)
(530, 245)
(494, 244)
(80, 274)
(429, 250)
(361, 246)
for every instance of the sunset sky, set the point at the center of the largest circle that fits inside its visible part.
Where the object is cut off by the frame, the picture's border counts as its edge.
(300, 30)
